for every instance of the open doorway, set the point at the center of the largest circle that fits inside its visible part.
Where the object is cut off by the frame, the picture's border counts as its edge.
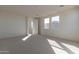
(32, 27)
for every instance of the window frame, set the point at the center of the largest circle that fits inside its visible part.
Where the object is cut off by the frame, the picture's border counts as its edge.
(48, 23)
(51, 27)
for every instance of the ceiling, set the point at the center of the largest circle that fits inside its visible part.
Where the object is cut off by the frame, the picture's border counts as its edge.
(33, 10)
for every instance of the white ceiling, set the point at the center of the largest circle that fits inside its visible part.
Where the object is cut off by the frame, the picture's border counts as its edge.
(32, 10)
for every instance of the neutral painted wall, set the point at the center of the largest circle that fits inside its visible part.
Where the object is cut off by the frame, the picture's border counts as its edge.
(12, 25)
(68, 25)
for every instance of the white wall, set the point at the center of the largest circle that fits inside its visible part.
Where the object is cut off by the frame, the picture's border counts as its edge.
(12, 25)
(68, 26)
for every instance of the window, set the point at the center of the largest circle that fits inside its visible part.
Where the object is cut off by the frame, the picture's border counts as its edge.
(55, 22)
(55, 19)
(46, 23)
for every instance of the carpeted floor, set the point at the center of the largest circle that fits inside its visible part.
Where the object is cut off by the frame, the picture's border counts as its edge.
(37, 44)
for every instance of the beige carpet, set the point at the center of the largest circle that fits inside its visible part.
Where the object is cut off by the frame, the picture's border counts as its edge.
(38, 44)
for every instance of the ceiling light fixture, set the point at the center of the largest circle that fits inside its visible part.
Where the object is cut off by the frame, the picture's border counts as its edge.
(61, 5)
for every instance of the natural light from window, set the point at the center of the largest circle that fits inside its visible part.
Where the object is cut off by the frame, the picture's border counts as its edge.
(55, 23)
(56, 18)
(25, 38)
(32, 24)
(46, 23)
(56, 47)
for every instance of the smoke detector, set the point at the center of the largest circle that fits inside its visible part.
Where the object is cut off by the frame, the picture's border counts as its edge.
(61, 5)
